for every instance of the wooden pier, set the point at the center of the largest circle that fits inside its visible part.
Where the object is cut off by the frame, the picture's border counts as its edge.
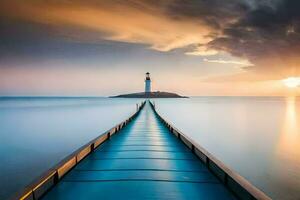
(147, 158)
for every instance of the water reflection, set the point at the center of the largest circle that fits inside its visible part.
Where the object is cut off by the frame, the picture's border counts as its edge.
(286, 161)
(289, 142)
(259, 137)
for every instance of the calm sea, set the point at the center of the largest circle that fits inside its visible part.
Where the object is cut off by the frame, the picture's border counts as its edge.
(258, 137)
(36, 133)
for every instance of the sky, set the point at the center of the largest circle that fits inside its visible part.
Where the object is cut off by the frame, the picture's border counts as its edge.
(191, 47)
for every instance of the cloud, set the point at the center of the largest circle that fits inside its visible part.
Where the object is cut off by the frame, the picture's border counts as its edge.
(202, 51)
(268, 35)
(235, 62)
(125, 21)
(264, 32)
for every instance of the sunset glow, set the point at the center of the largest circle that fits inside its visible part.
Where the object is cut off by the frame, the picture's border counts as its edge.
(292, 82)
(234, 47)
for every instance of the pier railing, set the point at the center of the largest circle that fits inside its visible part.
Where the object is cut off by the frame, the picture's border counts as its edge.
(238, 185)
(41, 185)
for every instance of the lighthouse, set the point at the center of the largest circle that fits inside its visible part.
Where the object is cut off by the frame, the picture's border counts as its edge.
(147, 83)
(148, 93)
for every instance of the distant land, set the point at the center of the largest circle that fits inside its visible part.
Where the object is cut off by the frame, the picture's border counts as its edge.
(156, 94)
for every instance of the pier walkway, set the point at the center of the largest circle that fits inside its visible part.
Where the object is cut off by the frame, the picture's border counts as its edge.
(142, 161)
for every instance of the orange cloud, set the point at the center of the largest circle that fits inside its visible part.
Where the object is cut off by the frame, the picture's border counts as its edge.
(116, 21)
(235, 62)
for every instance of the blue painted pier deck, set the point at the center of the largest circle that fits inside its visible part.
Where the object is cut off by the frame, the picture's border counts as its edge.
(144, 160)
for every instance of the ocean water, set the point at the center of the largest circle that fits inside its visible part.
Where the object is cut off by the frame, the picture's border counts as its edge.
(36, 133)
(258, 137)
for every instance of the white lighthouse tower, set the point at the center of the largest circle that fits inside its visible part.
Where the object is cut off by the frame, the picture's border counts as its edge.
(147, 83)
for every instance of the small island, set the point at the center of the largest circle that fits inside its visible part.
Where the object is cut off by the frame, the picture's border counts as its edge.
(148, 93)
(157, 94)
